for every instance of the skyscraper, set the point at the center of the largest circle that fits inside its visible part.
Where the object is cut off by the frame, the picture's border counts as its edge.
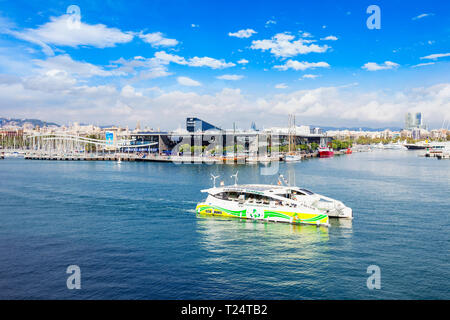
(409, 123)
(418, 121)
(412, 122)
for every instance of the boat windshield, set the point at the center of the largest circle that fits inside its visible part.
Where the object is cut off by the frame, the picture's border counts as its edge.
(244, 196)
(302, 192)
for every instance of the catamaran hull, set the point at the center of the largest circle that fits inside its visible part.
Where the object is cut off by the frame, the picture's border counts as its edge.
(264, 214)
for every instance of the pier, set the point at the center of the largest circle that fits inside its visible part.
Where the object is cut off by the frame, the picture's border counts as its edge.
(139, 157)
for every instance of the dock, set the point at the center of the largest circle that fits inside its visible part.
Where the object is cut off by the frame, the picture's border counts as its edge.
(136, 157)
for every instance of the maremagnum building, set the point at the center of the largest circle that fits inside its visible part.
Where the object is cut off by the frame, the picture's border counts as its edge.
(205, 136)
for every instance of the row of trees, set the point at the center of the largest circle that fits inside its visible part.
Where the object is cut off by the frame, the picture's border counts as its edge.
(341, 144)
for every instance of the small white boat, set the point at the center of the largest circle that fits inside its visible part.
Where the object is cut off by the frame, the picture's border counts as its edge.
(262, 159)
(292, 158)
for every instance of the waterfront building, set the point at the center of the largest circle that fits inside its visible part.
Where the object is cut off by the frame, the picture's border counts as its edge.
(198, 125)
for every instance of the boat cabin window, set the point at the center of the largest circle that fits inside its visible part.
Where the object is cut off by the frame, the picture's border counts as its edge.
(302, 192)
(242, 197)
(221, 196)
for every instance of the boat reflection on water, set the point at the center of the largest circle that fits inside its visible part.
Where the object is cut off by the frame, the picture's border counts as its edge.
(221, 229)
(268, 256)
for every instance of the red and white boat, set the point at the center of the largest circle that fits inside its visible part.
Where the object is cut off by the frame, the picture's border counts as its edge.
(326, 152)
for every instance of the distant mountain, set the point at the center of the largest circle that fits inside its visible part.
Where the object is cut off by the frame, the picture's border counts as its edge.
(21, 122)
(356, 128)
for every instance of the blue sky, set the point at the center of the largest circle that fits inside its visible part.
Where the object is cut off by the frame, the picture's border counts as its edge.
(225, 61)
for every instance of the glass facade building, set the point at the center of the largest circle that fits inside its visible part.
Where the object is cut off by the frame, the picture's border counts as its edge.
(198, 125)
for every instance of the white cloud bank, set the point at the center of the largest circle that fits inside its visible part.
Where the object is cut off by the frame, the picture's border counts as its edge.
(57, 96)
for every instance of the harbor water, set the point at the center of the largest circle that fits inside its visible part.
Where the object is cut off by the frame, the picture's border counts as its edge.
(133, 231)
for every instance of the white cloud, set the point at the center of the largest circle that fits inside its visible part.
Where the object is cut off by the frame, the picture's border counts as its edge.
(185, 81)
(193, 62)
(330, 38)
(243, 61)
(65, 63)
(50, 81)
(209, 62)
(142, 68)
(157, 39)
(422, 64)
(269, 22)
(423, 15)
(372, 66)
(310, 76)
(130, 92)
(245, 33)
(59, 31)
(193, 25)
(230, 77)
(281, 86)
(283, 45)
(297, 65)
(436, 56)
(167, 58)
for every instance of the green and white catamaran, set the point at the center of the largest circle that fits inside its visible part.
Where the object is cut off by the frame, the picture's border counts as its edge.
(272, 203)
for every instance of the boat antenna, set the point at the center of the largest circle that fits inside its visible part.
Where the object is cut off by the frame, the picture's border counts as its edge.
(213, 177)
(235, 177)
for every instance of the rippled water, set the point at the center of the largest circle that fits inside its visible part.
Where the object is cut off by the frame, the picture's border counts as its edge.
(134, 233)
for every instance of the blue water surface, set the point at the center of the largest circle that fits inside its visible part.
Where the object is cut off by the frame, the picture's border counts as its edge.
(133, 231)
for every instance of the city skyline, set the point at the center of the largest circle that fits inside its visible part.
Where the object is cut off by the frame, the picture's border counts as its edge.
(257, 63)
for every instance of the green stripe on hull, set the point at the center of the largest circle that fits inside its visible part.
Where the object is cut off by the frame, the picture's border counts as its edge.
(267, 214)
(319, 217)
(274, 214)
